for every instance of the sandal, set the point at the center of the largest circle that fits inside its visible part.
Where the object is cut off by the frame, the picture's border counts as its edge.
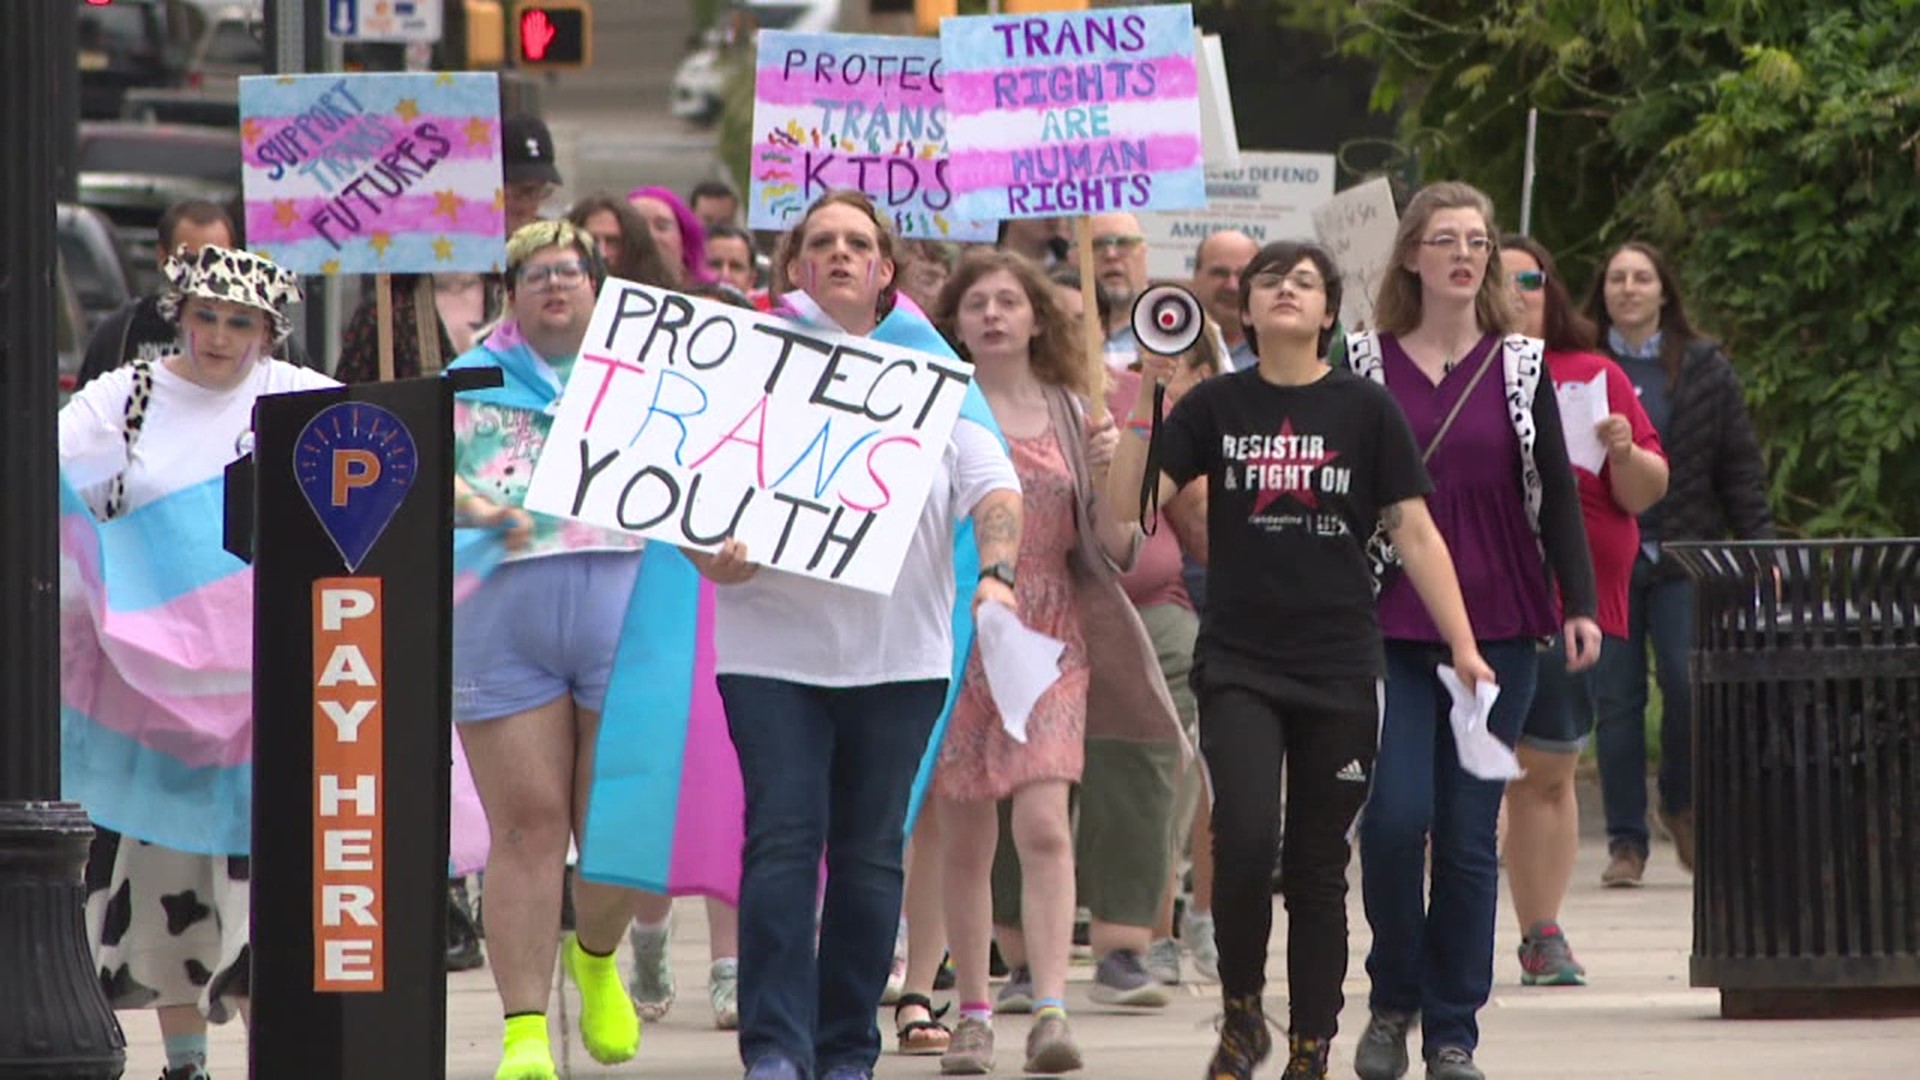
(921, 1038)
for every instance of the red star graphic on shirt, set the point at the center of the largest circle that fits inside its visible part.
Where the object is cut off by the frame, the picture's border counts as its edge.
(1300, 466)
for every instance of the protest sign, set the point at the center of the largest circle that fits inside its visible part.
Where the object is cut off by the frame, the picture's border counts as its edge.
(384, 173)
(1271, 196)
(1357, 226)
(688, 422)
(1219, 135)
(853, 111)
(1082, 112)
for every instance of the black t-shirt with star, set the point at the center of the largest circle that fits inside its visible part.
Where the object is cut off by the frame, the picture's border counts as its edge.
(1297, 476)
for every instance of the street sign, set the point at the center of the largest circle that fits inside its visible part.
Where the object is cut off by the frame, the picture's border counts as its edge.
(384, 20)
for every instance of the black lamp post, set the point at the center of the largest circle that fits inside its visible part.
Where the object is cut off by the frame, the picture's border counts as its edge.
(54, 1019)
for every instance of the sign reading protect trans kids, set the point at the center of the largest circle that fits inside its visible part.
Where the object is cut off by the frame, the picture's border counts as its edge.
(1073, 113)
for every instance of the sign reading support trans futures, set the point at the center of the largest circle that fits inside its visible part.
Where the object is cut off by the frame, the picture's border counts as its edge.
(1073, 113)
(688, 422)
(373, 174)
(853, 111)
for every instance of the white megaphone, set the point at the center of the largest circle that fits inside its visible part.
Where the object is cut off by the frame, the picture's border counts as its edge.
(1167, 320)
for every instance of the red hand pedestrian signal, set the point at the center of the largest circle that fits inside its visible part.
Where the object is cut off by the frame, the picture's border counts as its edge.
(536, 33)
(553, 34)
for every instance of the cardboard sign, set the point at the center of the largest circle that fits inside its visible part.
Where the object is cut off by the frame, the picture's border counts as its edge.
(688, 421)
(1357, 226)
(1271, 196)
(853, 111)
(349, 930)
(389, 173)
(1073, 113)
(1219, 134)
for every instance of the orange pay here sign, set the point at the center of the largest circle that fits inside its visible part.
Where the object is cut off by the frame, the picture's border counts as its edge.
(349, 786)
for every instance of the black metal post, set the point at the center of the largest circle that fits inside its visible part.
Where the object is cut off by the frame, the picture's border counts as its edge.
(54, 1019)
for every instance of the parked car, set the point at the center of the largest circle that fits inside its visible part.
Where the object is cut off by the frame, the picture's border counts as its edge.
(69, 331)
(91, 254)
(125, 44)
(698, 91)
(232, 44)
(171, 105)
(133, 172)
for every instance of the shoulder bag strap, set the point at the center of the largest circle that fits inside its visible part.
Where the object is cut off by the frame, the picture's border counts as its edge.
(138, 399)
(1459, 403)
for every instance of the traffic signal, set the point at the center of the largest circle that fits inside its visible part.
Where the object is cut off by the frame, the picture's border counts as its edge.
(553, 35)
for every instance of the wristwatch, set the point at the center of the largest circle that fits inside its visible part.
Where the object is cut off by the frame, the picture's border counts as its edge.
(1000, 571)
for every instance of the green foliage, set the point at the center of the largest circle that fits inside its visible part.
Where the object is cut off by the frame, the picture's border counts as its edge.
(1772, 147)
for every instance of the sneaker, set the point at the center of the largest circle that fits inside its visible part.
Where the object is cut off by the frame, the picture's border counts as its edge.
(1306, 1058)
(1017, 995)
(1196, 933)
(1627, 867)
(1680, 827)
(1382, 1053)
(773, 1068)
(1453, 1063)
(1245, 1041)
(1050, 1046)
(847, 1072)
(723, 993)
(609, 1025)
(652, 983)
(1163, 961)
(1547, 960)
(186, 1072)
(944, 978)
(971, 1051)
(1121, 979)
(463, 938)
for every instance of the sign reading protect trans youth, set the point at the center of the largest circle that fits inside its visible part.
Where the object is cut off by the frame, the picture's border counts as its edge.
(1073, 113)
(853, 111)
(365, 174)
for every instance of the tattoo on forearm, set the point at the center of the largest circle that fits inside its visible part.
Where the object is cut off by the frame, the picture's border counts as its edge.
(1391, 517)
(998, 530)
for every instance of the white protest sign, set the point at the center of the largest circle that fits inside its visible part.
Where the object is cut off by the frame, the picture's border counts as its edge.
(1219, 135)
(1357, 226)
(1270, 196)
(688, 422)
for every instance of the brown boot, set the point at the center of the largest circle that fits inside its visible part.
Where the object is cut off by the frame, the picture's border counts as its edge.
(1626, 869)
(1680, 827)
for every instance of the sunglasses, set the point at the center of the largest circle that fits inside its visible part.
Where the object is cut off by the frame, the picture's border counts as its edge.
(1530, 280)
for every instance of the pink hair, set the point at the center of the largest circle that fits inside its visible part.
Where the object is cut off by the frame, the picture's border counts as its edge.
(693, 237)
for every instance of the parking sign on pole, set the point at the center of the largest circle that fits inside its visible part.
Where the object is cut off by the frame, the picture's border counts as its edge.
(384, 20)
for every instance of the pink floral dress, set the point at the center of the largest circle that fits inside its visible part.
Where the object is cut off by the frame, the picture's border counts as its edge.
(979, 760)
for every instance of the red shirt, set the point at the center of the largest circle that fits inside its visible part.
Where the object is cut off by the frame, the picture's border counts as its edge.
(1613, 535)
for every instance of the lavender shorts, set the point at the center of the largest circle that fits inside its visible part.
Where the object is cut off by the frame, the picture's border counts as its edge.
(540, 629)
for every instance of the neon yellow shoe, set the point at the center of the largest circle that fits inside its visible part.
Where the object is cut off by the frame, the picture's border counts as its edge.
(608, 1024)
(525, 1052)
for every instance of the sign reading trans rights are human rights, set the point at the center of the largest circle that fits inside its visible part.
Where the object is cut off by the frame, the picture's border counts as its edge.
(1073, 113)
(688, 422)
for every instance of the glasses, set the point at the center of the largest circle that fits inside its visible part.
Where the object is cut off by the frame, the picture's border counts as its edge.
(1117, 244)
(537, 191)
(561, 275)
(1475, 244)
(1301, 281)
(239, 324)
(1530, 280)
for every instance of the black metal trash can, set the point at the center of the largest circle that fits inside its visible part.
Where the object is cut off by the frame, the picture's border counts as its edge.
(1806, 758)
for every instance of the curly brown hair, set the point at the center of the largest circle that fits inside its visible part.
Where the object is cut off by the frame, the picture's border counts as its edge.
(639, 256)
(1057, 353)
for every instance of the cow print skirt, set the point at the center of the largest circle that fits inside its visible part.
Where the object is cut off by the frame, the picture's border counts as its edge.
(168, 927)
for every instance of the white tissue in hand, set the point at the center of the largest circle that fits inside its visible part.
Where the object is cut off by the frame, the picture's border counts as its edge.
(1020, 664)
(1481, 752)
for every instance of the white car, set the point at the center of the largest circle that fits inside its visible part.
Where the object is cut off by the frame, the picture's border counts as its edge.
(700, 83)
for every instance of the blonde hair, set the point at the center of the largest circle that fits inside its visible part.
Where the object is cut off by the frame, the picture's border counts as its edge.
(1058, 354)
(1397, 309)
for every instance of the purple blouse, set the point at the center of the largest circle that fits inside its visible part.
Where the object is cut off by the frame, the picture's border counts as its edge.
(1477, 502)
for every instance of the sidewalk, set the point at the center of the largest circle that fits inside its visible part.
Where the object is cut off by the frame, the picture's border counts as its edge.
(1637, 1019)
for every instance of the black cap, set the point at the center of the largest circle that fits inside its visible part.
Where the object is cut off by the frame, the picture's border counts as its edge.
(526, 149)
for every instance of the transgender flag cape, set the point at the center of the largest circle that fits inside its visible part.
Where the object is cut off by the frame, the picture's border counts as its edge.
(156, 678)
(666, 812)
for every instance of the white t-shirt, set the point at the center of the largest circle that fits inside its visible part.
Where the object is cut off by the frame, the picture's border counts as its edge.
(784, 626)
(191, 432)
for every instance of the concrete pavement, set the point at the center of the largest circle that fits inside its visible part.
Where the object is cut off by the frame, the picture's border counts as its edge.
(1638, 1018)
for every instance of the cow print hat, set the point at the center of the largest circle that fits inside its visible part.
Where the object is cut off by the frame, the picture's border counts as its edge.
(240, 277)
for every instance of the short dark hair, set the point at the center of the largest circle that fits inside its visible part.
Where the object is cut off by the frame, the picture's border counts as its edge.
(712, 189)
(724, 231)
(1067, 276)
(1287, 254)
(197, 211)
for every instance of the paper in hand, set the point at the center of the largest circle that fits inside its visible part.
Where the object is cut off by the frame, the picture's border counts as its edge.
(1020, 664)
(1582, 406)
(1481, 752)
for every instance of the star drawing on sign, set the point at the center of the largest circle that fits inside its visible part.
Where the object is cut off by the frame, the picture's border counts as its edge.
(447, 202)
(250, 130)
(442, 249)
(330, 267)
(499, 199)
(1303, 491)
(284, 213)
(444, 78)
(478, 132)
(407, 109)
(380, 241)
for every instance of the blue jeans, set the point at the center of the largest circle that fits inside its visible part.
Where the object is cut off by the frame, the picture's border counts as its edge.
(1660, 612)
(1435, 956)
(824, 769)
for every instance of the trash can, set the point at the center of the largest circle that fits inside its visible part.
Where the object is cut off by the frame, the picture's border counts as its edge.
(1806, 751)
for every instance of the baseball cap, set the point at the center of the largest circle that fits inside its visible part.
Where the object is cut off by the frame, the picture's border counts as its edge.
(526, 149)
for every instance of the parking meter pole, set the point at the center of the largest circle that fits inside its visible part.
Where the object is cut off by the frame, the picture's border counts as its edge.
(54, 1019)
(352, 554)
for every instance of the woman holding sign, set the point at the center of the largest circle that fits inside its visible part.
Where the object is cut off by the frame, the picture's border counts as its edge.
(533, 650)
(832, 693)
